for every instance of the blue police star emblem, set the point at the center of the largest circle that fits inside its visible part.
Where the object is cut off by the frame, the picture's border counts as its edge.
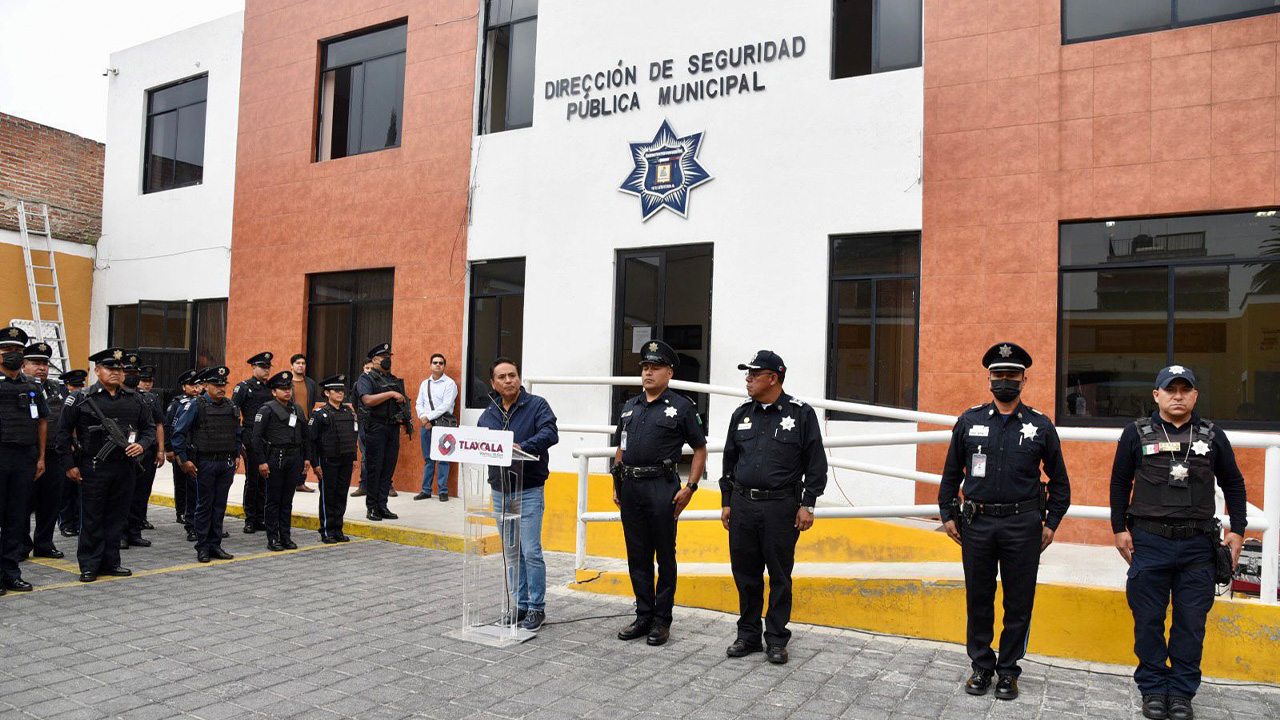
(666, 169)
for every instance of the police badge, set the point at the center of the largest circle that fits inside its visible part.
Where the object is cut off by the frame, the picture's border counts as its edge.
(666, 169)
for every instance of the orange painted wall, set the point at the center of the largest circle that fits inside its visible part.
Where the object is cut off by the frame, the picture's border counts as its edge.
(403, 208)
(1022, 132)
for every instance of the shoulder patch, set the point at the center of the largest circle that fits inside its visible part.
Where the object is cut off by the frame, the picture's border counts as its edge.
(71, 399)
(797, 401)
(1035, 411)
(261, 414)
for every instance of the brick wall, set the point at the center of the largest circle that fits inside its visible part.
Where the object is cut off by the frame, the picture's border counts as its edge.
(41, 163)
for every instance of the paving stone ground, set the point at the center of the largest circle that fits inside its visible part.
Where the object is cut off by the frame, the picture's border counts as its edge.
(359, 631)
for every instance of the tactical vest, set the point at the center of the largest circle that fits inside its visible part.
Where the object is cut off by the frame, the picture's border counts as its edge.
(384, 412)
(257, 396)
(278, 434)
(1157, 493)
(16, 398)
(125, 409)
(55, 394)
(339, 436)
(215, 427)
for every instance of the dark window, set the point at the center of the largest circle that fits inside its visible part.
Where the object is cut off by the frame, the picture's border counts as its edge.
(1138, 295)
(174, 144)
(872, 36)
(175, 336)
(347, 314)
(362, 92)
(1096, 19)
(873, 336)
(664, 293)
(497, 322)
(510, 43)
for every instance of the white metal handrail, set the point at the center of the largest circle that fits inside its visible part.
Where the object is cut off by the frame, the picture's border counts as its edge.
(1266, 520)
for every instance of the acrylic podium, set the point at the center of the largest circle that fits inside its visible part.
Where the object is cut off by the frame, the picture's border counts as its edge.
(490, 580)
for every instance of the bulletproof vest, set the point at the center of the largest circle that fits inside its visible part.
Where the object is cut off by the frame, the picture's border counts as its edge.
(1158, 492)
(339, 436)
(124, 409)
(278, 434)
(258, 395)
(16, 398)
(215, 431)
(384, 412)
(55, 393)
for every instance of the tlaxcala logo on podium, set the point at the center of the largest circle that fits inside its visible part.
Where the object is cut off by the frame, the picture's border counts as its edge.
(477, 445)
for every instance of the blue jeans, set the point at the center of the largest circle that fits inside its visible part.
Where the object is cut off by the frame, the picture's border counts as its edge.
(432, 468)
(533, 570)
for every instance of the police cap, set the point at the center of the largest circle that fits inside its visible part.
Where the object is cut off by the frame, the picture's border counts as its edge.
(75, 377)
(190, 377)
(13, 336)
(131, 361)
(334, 382)
(147, 372)
(1006, 356)
(656, 352)
(1175, 372)
(765, 360)
(381, 349)
(112, 357)
(37, 351)
(262, 359)
(281, 380)
(215, 375)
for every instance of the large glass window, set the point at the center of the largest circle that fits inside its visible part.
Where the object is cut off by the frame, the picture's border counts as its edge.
(1096, 19)
(362, 92)
(510, 44)
(174, 146)
(872, 36)
(874, 311)
(347, 313)
(173, 335)
(1200, 291)
(497, 322)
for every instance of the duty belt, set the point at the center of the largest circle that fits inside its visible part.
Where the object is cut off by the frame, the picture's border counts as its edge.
(1006, 509)
(646, 472)
(1178, 529)
(759, 494)
(285, 450)
(215, 457)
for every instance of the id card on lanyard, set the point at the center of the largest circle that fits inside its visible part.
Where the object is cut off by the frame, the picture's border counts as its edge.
(35, 412)
(978, 467)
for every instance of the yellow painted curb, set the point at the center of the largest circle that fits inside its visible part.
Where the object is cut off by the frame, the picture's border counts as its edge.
(1070, 621)
(400, 534)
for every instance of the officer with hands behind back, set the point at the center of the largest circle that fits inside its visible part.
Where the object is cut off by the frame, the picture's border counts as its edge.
(207, 435)
(46, 494)
(250, 395)
(654, 426)
(279, 437)
(1168, 534)
(23, 434)
(332, 436)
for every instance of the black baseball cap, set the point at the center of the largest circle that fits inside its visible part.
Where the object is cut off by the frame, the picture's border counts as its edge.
(765, 360)
(1175, 372)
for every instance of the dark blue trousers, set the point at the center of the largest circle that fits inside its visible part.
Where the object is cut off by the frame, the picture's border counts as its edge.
(211, 486)
(1163, 570)
(17, 468)
(105, 491)
(382, 449)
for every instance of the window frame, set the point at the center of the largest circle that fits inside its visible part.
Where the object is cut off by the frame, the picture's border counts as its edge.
(875, 45)
(1062, 21)
(354, 351)
(1170, 267)
(833, 323)
(482, 119)
(323, 70)
(147, 115)
(193, 330)
(471, 323)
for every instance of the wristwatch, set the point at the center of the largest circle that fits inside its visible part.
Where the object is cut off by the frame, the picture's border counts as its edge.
(693, 487)
(808, 509)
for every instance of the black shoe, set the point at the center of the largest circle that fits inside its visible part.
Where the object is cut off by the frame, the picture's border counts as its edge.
(444, 498)
(260, 525)
(658, 635)
(289, 544)
(777, 654)
(250, 528)
(68, 532)
(191, 535)
(342, 538)
(533, 620)
(1007, 688)
(388, 515)
(226, 534)
(1180, 709)
(202, 556)
(219, 554)
(124, 544)
(328, 540)
(374, 515)
(18, 585)
(422, 496)
(88, 576)
(117, 571)
(979, 683)
(146, 525)
(54, 553)
(1155, 707)
(180, 520)
(139, 542)
(637, 629)
(742, 648)
(274, 545)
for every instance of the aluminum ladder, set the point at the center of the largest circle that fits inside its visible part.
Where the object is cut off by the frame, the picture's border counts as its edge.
(37, 237)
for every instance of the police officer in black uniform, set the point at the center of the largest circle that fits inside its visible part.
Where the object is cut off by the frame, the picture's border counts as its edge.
(46, 494)
(69, 514)
(278, 440)
(332, 434)
(151, 462)
(774, 472)
(383, 394)
(1008, 516)
(23, 432)
(1168, 534)
(652, 429)
(206, 442)
(105, 470)
(184, 493)
(249, 396)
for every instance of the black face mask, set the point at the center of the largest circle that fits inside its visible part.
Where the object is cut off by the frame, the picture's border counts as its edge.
(12, 361)
(131, 381)
(385, 364)
(1006, 390)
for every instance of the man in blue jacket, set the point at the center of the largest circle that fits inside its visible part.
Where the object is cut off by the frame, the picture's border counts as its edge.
(533, 425)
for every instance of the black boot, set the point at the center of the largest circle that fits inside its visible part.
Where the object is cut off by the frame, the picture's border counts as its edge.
(273, 543)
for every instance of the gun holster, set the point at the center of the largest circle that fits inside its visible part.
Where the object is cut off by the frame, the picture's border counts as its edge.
(616, 471)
